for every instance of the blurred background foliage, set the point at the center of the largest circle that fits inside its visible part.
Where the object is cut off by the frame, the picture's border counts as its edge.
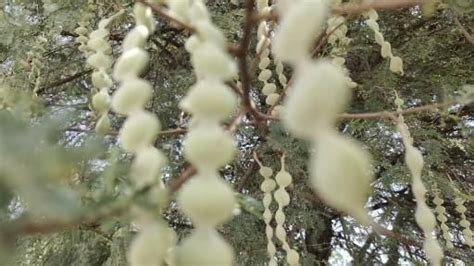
(64, 194)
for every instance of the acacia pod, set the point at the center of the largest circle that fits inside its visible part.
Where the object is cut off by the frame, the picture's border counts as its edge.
(433, 250)
(179, 8)
(414, 160)
(132, 95)
(282, 197)
(99, 61)
(81, 39)
(264, 63)
(424, 217)
(81, 30)
(283, 178)
(343, 188)
(209, 147)
(396, 65)
(99, 34)
(130, 64)
(103, 125)
(151, 245)
(319, 94)
(272, 99)
(207, 200)
(209, 99)
(192, 43)
(266, 171)
(136, 38)
(300, 23)
(210, 61)
(100, 79)
(210, 33)
(265, 75)
(144, 16)
(98, 44)
(147, 165)
(198, 11)
(139, 131)
(101, 101)
(268, 89)
(386, 50)
(204, 247)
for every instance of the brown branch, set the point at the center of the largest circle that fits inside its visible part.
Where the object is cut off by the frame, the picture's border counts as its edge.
(354, 9)
(243, 180)
(65, 80)
(383, 114)
(466, 34)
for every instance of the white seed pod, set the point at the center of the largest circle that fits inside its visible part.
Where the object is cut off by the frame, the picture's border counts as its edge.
(293, 257)
(280, 217)
(282, 197)
(319, 94)
(424, 217)
(396, 65)
(99, 61)
(103, 125)
(83, 48)
(209, 147)
(135, 38)
(268, 185)
(433, 250)
(207, 200)
(101, 101)
(179, 8)
(340, 174)
(208, 32)
(198, 11)
(192, 43)
(300, 24)
(264, 63)
(81, 30)
(204, 247)
(147, 165)
(272, 99)
(379, 38)
(100, 79)
(278, 111)
(262, 44)
(210, 61)
(283, 178)
(99, 34)
(372, 24)
(418, 188)
(98, 45)
(209, 99)
(150, 246)
(265, 75)
(130, 64)
(139, 130)
(131, 96)
(144, 16)
(268, 89)
(386, 50)
(266, 171)
(414, 160)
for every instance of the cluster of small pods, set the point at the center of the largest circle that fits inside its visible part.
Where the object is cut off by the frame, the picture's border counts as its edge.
(35, 62)
(83, 28)
(464, 223)
(441, 210)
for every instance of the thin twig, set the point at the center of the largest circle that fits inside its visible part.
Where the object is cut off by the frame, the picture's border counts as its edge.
(163, 12)
(466, 34)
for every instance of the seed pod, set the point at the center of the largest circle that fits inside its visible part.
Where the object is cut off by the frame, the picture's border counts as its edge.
(99, 61)
(209, 99)
(151, 245)
(144, 16)
(212, 62)
(343, 188)
(433, 251)
(103, 125)
(101, 101)
(209, 147)
(136, 38)
(192, 43)
(215, 202)
(300, 23)
(131, 96)
(268, 89)
(147, 165)
(204, 247)
(100, 79)
(179, 8)
(99, 34)
(207, 31)
(265, 75)
(272, 99)
(424, 217)
(319, 94)
(130, 64)
(414, 160)
(396, 65)
(139, 131)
